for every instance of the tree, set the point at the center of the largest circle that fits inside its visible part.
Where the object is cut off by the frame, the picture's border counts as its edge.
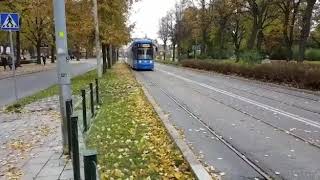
(80, 25)
(315, 35)
(305, 28)
(289, 10)
(38, 23)
(164, 34)
(237, 27)
(113, 15)
(262, 14)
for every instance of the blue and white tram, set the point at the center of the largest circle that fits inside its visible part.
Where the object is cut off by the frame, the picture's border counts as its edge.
(141, 54)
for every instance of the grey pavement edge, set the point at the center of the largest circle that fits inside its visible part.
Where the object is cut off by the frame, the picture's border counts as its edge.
(198, 169)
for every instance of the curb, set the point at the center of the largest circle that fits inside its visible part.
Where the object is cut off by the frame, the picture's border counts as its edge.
(196, 166)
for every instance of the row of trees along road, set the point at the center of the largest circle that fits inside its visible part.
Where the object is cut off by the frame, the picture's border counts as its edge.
(282, 29)
(37, 26)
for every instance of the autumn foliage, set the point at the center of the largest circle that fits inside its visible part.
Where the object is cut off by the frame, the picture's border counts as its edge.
(132, 142)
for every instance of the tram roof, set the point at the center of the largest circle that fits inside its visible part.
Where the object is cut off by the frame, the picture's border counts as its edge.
(142, 41)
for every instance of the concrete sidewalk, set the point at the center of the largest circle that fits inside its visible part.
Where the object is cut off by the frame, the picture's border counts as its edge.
(31, 143)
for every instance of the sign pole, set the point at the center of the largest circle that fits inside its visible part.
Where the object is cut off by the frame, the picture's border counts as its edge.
(63, 66)
(13, 66)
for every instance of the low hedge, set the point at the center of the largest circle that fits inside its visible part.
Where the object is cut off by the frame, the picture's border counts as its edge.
(305, 76)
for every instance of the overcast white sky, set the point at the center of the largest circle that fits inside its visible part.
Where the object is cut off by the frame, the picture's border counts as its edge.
(146, 15)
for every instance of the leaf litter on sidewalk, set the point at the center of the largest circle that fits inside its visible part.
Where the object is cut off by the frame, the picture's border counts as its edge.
(132, 142)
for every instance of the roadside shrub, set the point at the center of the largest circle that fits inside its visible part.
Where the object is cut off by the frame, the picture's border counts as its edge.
(221, 54)
(278, 53)
(251, 57)
(297, 75)
(313, 54)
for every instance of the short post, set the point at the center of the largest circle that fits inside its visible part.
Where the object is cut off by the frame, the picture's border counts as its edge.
(91, 99)
(68, 116)
(84, 110)
(97, 92)
(90, 165)
(75, 148)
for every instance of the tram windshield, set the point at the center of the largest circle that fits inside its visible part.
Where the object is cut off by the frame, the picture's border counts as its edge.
(145, 53)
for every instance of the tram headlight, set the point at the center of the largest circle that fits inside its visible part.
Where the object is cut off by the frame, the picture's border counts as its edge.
(139, 61)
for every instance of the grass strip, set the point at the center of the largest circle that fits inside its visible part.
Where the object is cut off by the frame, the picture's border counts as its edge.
(131, 140)
(78, 83)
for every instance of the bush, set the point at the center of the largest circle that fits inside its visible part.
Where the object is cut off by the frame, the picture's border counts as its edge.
(251, 57)
(297, 75)
(278, 53)
(221, 54)
(313, 54)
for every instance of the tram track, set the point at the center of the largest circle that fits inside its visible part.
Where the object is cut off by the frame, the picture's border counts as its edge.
(261, 120)
(255, 166)
(273, 144)
(276, 100)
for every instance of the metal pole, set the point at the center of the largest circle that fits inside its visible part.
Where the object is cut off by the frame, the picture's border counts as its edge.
(63, 66)
(68, 116)
(84, 110)
(91, 100)
(97, 92)
(90, 164)
(97, 39)
(13, 66)
(75, 148)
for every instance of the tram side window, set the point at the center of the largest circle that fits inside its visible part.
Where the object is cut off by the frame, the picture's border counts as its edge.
(134, 54)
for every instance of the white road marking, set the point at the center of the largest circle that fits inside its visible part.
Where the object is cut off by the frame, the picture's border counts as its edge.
(264, 106)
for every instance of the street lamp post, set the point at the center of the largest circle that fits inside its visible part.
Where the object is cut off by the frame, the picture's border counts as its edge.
(63, 66)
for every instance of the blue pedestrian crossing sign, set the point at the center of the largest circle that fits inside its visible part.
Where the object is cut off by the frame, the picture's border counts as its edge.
(9, 21)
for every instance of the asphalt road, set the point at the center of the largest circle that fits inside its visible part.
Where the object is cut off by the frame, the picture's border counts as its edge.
(32, 83)
(244, 129)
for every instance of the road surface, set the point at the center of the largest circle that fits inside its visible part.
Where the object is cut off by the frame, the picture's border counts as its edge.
(244, 129)
(32, 83)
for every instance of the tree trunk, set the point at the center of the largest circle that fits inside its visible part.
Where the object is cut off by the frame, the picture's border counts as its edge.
(5, 46)
(114, 56)
(52, 54)
(164, 50)
(104, 57)
(78, 54)
(38, 46)
(259, 40)
(117, 53)
(109, 56)
(306, 24)
(285, 33)
(173, 51)
(237, 53)
(253, 34)
(86, 53)
(18, 46)
(203, 43)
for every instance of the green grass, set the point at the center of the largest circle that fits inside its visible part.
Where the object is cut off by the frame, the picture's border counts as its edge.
(78, 83)
(128, 135)
(313, 62)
